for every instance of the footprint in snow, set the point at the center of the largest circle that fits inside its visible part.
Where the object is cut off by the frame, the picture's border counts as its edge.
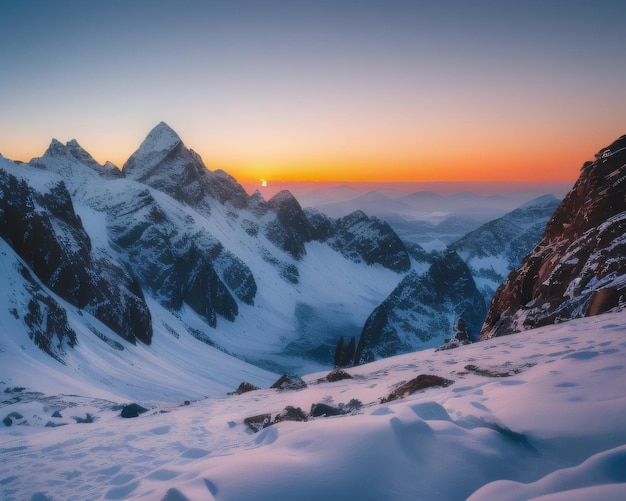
(161, 430)
(480, 406)
(195, 453)
(610, 351)
(609, 368)
(512, 382)
(268, 436)
(462, 389)
(382, 411)
(582, 355)
(163, 475)
(122, 479)
(108, 471)
(122, 492)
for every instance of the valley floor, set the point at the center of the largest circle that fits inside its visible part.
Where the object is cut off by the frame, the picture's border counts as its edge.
(537, 414)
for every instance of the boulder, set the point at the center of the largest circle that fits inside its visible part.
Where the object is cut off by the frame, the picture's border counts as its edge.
(289, 382)
(132, 410)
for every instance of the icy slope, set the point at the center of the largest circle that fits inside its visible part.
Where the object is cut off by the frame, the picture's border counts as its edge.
(525, 416)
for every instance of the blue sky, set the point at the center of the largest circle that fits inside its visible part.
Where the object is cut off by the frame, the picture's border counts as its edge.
(315, 89)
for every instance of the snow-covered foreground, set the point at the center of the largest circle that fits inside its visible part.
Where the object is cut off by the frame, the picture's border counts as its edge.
(533, 415)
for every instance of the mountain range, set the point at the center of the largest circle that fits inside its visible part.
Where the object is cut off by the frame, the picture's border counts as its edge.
(265, 281)
(159, 283)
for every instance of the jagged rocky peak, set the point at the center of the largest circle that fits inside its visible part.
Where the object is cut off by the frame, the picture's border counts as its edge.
(69, 160)
(257, 204)
(159, 142)
(284, 200)
(359, 237)
(292, 229)
(579, 266)
(165, 163)
(57, 148)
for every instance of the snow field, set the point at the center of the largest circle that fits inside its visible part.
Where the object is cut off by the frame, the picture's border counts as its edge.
(550, 425)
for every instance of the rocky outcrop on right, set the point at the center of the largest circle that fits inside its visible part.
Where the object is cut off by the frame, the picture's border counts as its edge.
(578, 268)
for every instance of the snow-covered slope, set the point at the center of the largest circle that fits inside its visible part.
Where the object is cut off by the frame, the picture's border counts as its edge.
(523, 417)
(176, 366)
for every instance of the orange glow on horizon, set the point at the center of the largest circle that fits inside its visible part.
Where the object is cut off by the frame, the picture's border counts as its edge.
(518, 168)
(454, 160)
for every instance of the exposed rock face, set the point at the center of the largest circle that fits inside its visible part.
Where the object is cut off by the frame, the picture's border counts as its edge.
(418, 383)
(45, 320)
(44, 230)
(422, 309)
(289, 382)
(132, 410)
(361, 239)
(291, 413)
(460, 337)
(358, 236)
(291, 229)
(172, 265)
(579, 266)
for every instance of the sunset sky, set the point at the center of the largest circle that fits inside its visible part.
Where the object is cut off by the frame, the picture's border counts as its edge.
(321, 90)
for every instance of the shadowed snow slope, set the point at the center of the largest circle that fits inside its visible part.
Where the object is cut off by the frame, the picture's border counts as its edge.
(525, 416)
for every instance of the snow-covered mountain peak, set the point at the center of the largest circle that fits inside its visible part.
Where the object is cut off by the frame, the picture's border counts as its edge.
(71, 148)
(110, 165)
(161, 138)
(75, 165)
(159, 142)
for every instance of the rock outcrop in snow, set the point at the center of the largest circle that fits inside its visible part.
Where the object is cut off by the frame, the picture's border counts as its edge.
(363, 239)
(291, 230)
(579, 266)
